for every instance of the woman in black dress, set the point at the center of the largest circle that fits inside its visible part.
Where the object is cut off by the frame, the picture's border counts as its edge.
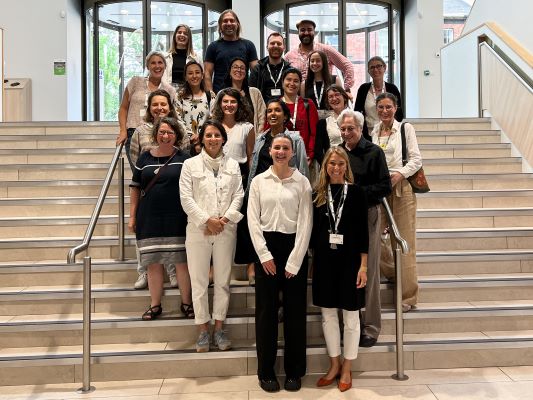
(156, 215)
(340, 243)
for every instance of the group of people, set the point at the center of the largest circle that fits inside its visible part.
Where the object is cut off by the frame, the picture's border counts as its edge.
(247, 161)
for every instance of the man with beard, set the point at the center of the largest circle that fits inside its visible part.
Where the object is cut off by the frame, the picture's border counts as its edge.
(266, 75)
(298, 58)
(220, 52)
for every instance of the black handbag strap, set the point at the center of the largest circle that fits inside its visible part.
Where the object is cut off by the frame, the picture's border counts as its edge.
(404, 146)
(154, 179)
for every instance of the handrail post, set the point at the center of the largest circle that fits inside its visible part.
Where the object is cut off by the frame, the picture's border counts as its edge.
(86, 388)
(399, 375)
(121, 208)
(401, 247)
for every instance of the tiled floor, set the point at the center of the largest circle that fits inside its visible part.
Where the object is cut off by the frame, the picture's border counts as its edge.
(506, 383)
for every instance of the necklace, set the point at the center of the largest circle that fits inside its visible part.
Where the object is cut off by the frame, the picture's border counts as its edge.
(384, 129)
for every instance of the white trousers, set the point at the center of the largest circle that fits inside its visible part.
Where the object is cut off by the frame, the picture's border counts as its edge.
(332, 333)
(200, 248)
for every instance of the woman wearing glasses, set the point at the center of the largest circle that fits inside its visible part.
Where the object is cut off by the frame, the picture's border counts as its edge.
(365, 102)
(156, 216)
(237, 78)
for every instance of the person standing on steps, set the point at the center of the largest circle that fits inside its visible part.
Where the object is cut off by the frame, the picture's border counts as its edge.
(298, 57)
(220, 52)
(266, 75)
(370, 171)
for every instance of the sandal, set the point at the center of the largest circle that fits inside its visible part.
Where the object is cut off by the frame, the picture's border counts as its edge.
(152, 313)
(187, 310)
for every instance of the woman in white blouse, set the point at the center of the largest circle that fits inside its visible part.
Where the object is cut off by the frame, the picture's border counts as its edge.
(233, 112)
(280, 222)
(211, 195)
(402, 201)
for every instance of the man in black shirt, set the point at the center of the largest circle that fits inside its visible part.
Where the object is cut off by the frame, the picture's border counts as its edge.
(370, 171)
(266, 75)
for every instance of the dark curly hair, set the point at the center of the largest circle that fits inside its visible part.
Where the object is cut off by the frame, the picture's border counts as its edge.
(243, 114)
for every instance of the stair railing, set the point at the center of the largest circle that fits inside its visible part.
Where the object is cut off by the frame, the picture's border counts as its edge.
(118, 160)
(401, 247)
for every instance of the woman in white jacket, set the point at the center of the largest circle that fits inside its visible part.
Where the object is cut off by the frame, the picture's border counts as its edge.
(211, 194)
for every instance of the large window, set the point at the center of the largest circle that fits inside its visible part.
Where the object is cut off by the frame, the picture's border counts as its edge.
(358, 29)
(126, 31)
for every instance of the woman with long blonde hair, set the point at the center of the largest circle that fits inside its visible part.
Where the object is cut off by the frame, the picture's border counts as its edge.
(340, 243)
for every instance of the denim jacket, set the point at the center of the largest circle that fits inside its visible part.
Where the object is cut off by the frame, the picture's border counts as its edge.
(298, 160)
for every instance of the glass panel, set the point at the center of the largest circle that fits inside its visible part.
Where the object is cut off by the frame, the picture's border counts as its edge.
(455, 14)
(273, 23)
(212, 26)
(396, 48)
(89, 43)
(166, 16)
(326, 18)
(366, 36)
(120, 27)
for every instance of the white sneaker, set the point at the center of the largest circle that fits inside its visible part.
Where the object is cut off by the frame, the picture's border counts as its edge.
(221, 340)
(173, 281)
(142, 281)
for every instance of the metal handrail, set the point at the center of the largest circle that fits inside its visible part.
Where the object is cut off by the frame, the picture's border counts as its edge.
(71, 258)
(401, 245)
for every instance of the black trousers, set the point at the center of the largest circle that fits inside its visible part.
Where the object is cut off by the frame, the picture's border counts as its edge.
(294, 290)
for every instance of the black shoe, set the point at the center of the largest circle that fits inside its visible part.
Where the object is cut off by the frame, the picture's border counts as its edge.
(367, 341)
(293, 384)
(269, 385)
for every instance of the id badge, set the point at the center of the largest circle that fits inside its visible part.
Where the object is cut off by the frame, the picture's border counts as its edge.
(142, 112)
(335, 238)
(275, 92)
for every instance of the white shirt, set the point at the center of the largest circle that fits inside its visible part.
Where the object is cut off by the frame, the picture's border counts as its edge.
(334, 131)
(235, 147)
(204, 195)
(281, 205)
(393, 149)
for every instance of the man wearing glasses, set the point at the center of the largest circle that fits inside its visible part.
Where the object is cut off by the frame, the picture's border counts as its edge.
(365, 102)
(298, 57)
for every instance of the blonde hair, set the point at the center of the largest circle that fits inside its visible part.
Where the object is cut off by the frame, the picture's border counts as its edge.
(321, 188)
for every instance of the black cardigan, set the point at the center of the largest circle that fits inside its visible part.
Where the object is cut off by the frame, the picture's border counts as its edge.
(362, 92)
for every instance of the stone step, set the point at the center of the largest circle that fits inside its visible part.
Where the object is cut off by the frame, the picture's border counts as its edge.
(58, 188)
(489, 181)
(458, 137)
(119, 298)
(173, 359)
(479, 198)
(507, 165)
(448, 151)
(474, 218)
(52, 330)
(71, 171)
(448, 124)
(58, 128)
(32, 142)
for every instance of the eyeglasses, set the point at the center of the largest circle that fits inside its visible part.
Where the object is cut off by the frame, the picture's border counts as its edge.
(386, 108)
(238, 68)
(169, 133)
(373, 67)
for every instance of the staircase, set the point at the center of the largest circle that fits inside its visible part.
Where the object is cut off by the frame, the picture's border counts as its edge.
(475, 261)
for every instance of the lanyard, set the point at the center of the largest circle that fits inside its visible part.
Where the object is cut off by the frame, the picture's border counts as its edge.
(317, 97)
(279, 75)
(331, 209)
(293, 119)
(374, 90)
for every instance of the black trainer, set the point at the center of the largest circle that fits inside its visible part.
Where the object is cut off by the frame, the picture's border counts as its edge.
(269, 385)
(293, 384)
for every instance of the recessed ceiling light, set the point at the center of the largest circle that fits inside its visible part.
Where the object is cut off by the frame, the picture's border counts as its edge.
(124, 12)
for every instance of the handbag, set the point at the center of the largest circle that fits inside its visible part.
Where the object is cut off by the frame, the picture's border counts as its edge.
(418, 180)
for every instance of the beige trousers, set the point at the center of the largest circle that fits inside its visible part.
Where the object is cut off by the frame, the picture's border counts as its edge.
(402, 202)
